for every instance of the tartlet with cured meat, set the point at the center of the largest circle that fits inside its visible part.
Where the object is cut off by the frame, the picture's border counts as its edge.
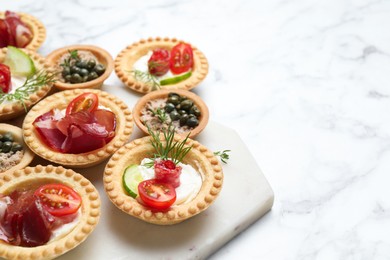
(45, 212)
(14, 153)
(21, 30)
(81, 66)
(78, 128)
(23, 82)
(161, 63)
(163, 179)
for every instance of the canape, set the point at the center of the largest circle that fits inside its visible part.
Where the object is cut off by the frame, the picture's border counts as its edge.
(161, 63)
(78, 128)
(81, 66)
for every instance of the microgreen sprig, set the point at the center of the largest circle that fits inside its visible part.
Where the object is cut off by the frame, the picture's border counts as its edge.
(172, 150)
(147, 78)
(32, 84)
(223, 155)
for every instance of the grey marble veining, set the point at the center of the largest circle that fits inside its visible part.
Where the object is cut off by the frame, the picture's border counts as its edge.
(305, 84)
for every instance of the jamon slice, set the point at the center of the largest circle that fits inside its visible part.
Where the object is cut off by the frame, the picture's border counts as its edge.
(4, 34)
(21, 35)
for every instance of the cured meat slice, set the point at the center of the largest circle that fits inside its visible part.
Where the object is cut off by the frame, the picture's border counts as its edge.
(21, 35)
(4, 34)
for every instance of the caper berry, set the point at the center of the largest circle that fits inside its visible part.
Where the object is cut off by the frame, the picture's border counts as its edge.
(186, 104)
(92, 75)
(192, 122)
(1, 144)
(8, 137)
(1, 137)
(174, 100)
(68, 78)
(76, 78)
(183, 119)
(16, 147)
(169, 107)
(195, 110)
(6, 147)
(182, 112)
(100, 69)
(171, 94)
(82, 64)
(65, 71)
(74, 69)
(84, 72)
(174, 115)
(91, 64)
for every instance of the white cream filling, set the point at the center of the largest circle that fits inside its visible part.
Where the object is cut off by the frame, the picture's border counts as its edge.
(16, 82)
(65, 228)
(190, 181)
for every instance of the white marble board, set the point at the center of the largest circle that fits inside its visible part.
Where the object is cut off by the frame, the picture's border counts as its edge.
(245, 197)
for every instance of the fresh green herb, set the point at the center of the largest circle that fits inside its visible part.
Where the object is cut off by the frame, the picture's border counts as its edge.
(147, 78)
(32, 84)
(73, 55)
(172, 150)
(223, 155)
(160, 113)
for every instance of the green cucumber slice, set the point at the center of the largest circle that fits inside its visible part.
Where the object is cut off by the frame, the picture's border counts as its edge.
(19, 62)
(131, 178)
(177, 79)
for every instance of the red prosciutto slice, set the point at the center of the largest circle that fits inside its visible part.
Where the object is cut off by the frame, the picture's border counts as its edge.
(4, 34)
(76, 133)
(20, 34)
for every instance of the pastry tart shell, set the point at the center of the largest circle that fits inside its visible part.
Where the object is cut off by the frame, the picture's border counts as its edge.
(102, 56)
(125, 60)
(199, 157)
(60, 100)
(28, 155)
(163, 93)
(37, 28)
(90, 209)
(14, 109)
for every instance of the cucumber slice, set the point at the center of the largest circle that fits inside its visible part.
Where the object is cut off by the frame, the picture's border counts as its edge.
(19, 62)
(177, 79)
(131, 178)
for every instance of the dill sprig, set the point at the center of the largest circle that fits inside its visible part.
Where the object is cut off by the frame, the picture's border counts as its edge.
(160, 114)
(73, 55)
(147, 78)
(32, 84)
(223, 155)
(172, 150)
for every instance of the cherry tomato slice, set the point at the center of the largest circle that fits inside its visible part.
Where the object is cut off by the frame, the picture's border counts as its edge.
(88, 102)
(159, 196)
(58, 199)
(158, 63)
(181, 58)
(5, 78)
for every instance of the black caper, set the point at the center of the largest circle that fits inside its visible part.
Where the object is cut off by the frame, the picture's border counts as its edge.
(169, 107)
(74, 69)
(186, 104)
(100, 69)
(183, 119)
(84, 72)
(195, 110)
(65, 71)
(16, 147)
(182, 112)
(68, 78)
(91, 64)
(92, 75)
(174, 115)
(84, 78)
(192, 122)
(6, 147)
(1, 144)
(82, 64)
(1, 137)
(174, 99)
(171, 94)
(8, 137)
(76, 78)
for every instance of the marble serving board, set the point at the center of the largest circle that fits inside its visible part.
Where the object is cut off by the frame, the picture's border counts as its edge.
(245, 197)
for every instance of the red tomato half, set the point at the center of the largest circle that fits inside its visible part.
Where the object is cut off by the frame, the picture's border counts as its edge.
(5, 78)
(157, 195)
(58, 199)
(85, 102)
(181, 58)
(158, 64)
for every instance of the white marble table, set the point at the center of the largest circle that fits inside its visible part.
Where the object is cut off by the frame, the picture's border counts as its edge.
(306, 86)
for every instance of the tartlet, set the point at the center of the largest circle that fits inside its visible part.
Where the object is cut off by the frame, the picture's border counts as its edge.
(124, 128)
(127, 57)
(28, 155)
(37, 28)
(90, 209)
(163, 93)
(102, 56)
(14, 109)
(199, 157)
